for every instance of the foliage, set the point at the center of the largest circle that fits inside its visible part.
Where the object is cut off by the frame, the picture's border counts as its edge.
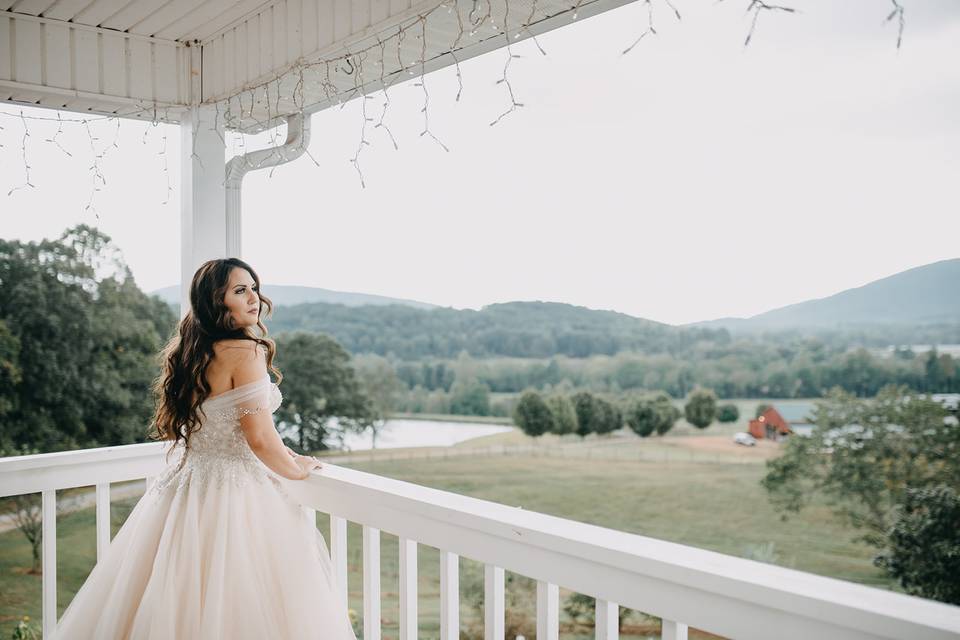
(608, 416)
(533, 415)
(761, 409)
(26, 630)
(582, 608)
(701, 408)
(322, 394)
(380, 383)
(78, 342)
(470, 397)
(652, 414)
(564, 415)
(866, 456)
(585, 406)
(727, 413)
(923, 544)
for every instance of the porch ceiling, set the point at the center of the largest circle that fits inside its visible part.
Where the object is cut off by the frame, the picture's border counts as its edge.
(256, 61)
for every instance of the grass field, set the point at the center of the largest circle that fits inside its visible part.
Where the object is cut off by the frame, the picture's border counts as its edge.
(713, 505)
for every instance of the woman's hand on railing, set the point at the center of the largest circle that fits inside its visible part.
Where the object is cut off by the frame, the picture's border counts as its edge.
(306, 464)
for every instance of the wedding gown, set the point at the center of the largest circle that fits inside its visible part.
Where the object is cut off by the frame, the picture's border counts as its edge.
(215, 549)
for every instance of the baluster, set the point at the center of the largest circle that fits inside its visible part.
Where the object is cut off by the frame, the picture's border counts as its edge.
(607, 626)
(449, 596)
(671, 630)
(338, 552)
(103, 519)
(48, 508)
(371, 583)
(548, 611)
(492, 602)
(408, 589)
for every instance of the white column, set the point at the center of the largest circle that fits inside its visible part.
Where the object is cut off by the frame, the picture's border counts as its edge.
(203, 221)
(103, 518)
(48, 559)
(671, 630)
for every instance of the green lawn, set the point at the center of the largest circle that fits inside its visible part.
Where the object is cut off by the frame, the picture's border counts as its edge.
(706, 504)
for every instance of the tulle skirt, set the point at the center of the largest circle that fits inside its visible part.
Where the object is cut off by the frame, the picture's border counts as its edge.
(213, 551)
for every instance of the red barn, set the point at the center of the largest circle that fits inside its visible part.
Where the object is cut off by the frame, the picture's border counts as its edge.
(770, 425)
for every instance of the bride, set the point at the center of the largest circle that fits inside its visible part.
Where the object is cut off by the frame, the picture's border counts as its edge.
(216, 548)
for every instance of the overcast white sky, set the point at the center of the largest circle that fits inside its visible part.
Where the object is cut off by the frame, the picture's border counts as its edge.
(688, 180)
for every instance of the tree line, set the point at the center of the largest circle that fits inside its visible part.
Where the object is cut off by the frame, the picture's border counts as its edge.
(583, 413)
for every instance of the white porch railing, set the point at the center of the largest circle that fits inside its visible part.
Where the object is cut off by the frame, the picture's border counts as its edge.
(683, 585)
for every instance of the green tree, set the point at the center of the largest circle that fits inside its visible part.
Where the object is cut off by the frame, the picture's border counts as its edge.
(761, 409)
(642, 417)
(652, 414)
(381, 384)
(470, 397)
(701, 408)
(585, 406)
(727, 413)
(608, 416)
(322, 395)
(532, 414)
(866, 456)
(923, 544)
(80, 340)
(564, 415)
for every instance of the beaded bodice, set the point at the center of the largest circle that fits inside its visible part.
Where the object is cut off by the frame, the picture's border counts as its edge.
(218, 451)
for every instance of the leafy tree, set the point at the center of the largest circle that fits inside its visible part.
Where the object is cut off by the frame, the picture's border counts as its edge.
(866, 456)
(642, 417)
(564, 415)
(470, 397)
(381, 384)
(652, 414)
(923, 544)
(608, 416)
(585, 406)
(322, 394)
(701, 408)
(78, 345)
(761, 409)
(728, 413)
(532, 414)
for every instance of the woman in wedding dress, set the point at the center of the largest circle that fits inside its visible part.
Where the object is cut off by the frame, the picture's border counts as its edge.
(216, 548)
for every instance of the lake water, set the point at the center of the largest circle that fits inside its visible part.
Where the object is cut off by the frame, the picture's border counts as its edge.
(419, 433)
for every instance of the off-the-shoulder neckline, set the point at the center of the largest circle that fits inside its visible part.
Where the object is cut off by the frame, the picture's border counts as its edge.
(238, 388)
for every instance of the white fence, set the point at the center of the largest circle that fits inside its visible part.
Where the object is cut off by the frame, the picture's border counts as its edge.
(683, 585)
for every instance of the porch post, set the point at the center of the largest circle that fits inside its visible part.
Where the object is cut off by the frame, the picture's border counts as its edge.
(203, 220)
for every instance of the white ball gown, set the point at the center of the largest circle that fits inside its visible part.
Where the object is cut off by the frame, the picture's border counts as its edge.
(216, 549)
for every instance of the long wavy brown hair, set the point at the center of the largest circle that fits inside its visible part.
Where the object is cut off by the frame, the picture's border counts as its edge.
(181, 388)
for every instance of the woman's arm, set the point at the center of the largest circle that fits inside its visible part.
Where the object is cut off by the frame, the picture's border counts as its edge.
(258, 427)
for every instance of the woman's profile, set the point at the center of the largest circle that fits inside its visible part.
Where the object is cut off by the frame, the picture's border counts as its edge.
(216, 548)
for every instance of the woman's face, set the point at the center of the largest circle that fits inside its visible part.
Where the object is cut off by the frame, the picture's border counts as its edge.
(242, 298)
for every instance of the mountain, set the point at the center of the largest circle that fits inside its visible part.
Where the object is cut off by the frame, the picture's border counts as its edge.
(514, 329)
(924, 295)
(285, 295)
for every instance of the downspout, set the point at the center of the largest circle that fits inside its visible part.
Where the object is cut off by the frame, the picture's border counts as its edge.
(298, 137)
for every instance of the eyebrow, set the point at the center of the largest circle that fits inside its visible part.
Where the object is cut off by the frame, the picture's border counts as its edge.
(240, 286)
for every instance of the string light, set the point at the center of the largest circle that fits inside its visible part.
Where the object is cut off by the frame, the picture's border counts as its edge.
(897, 13)
(341, 77)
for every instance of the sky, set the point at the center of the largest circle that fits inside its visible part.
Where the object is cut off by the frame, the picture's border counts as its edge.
(692, 178)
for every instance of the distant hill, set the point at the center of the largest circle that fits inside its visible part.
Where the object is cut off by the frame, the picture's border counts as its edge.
(921, 296)
(515, 329)
(285, 295)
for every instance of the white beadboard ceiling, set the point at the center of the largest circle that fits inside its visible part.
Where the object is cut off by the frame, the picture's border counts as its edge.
(153, 59)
